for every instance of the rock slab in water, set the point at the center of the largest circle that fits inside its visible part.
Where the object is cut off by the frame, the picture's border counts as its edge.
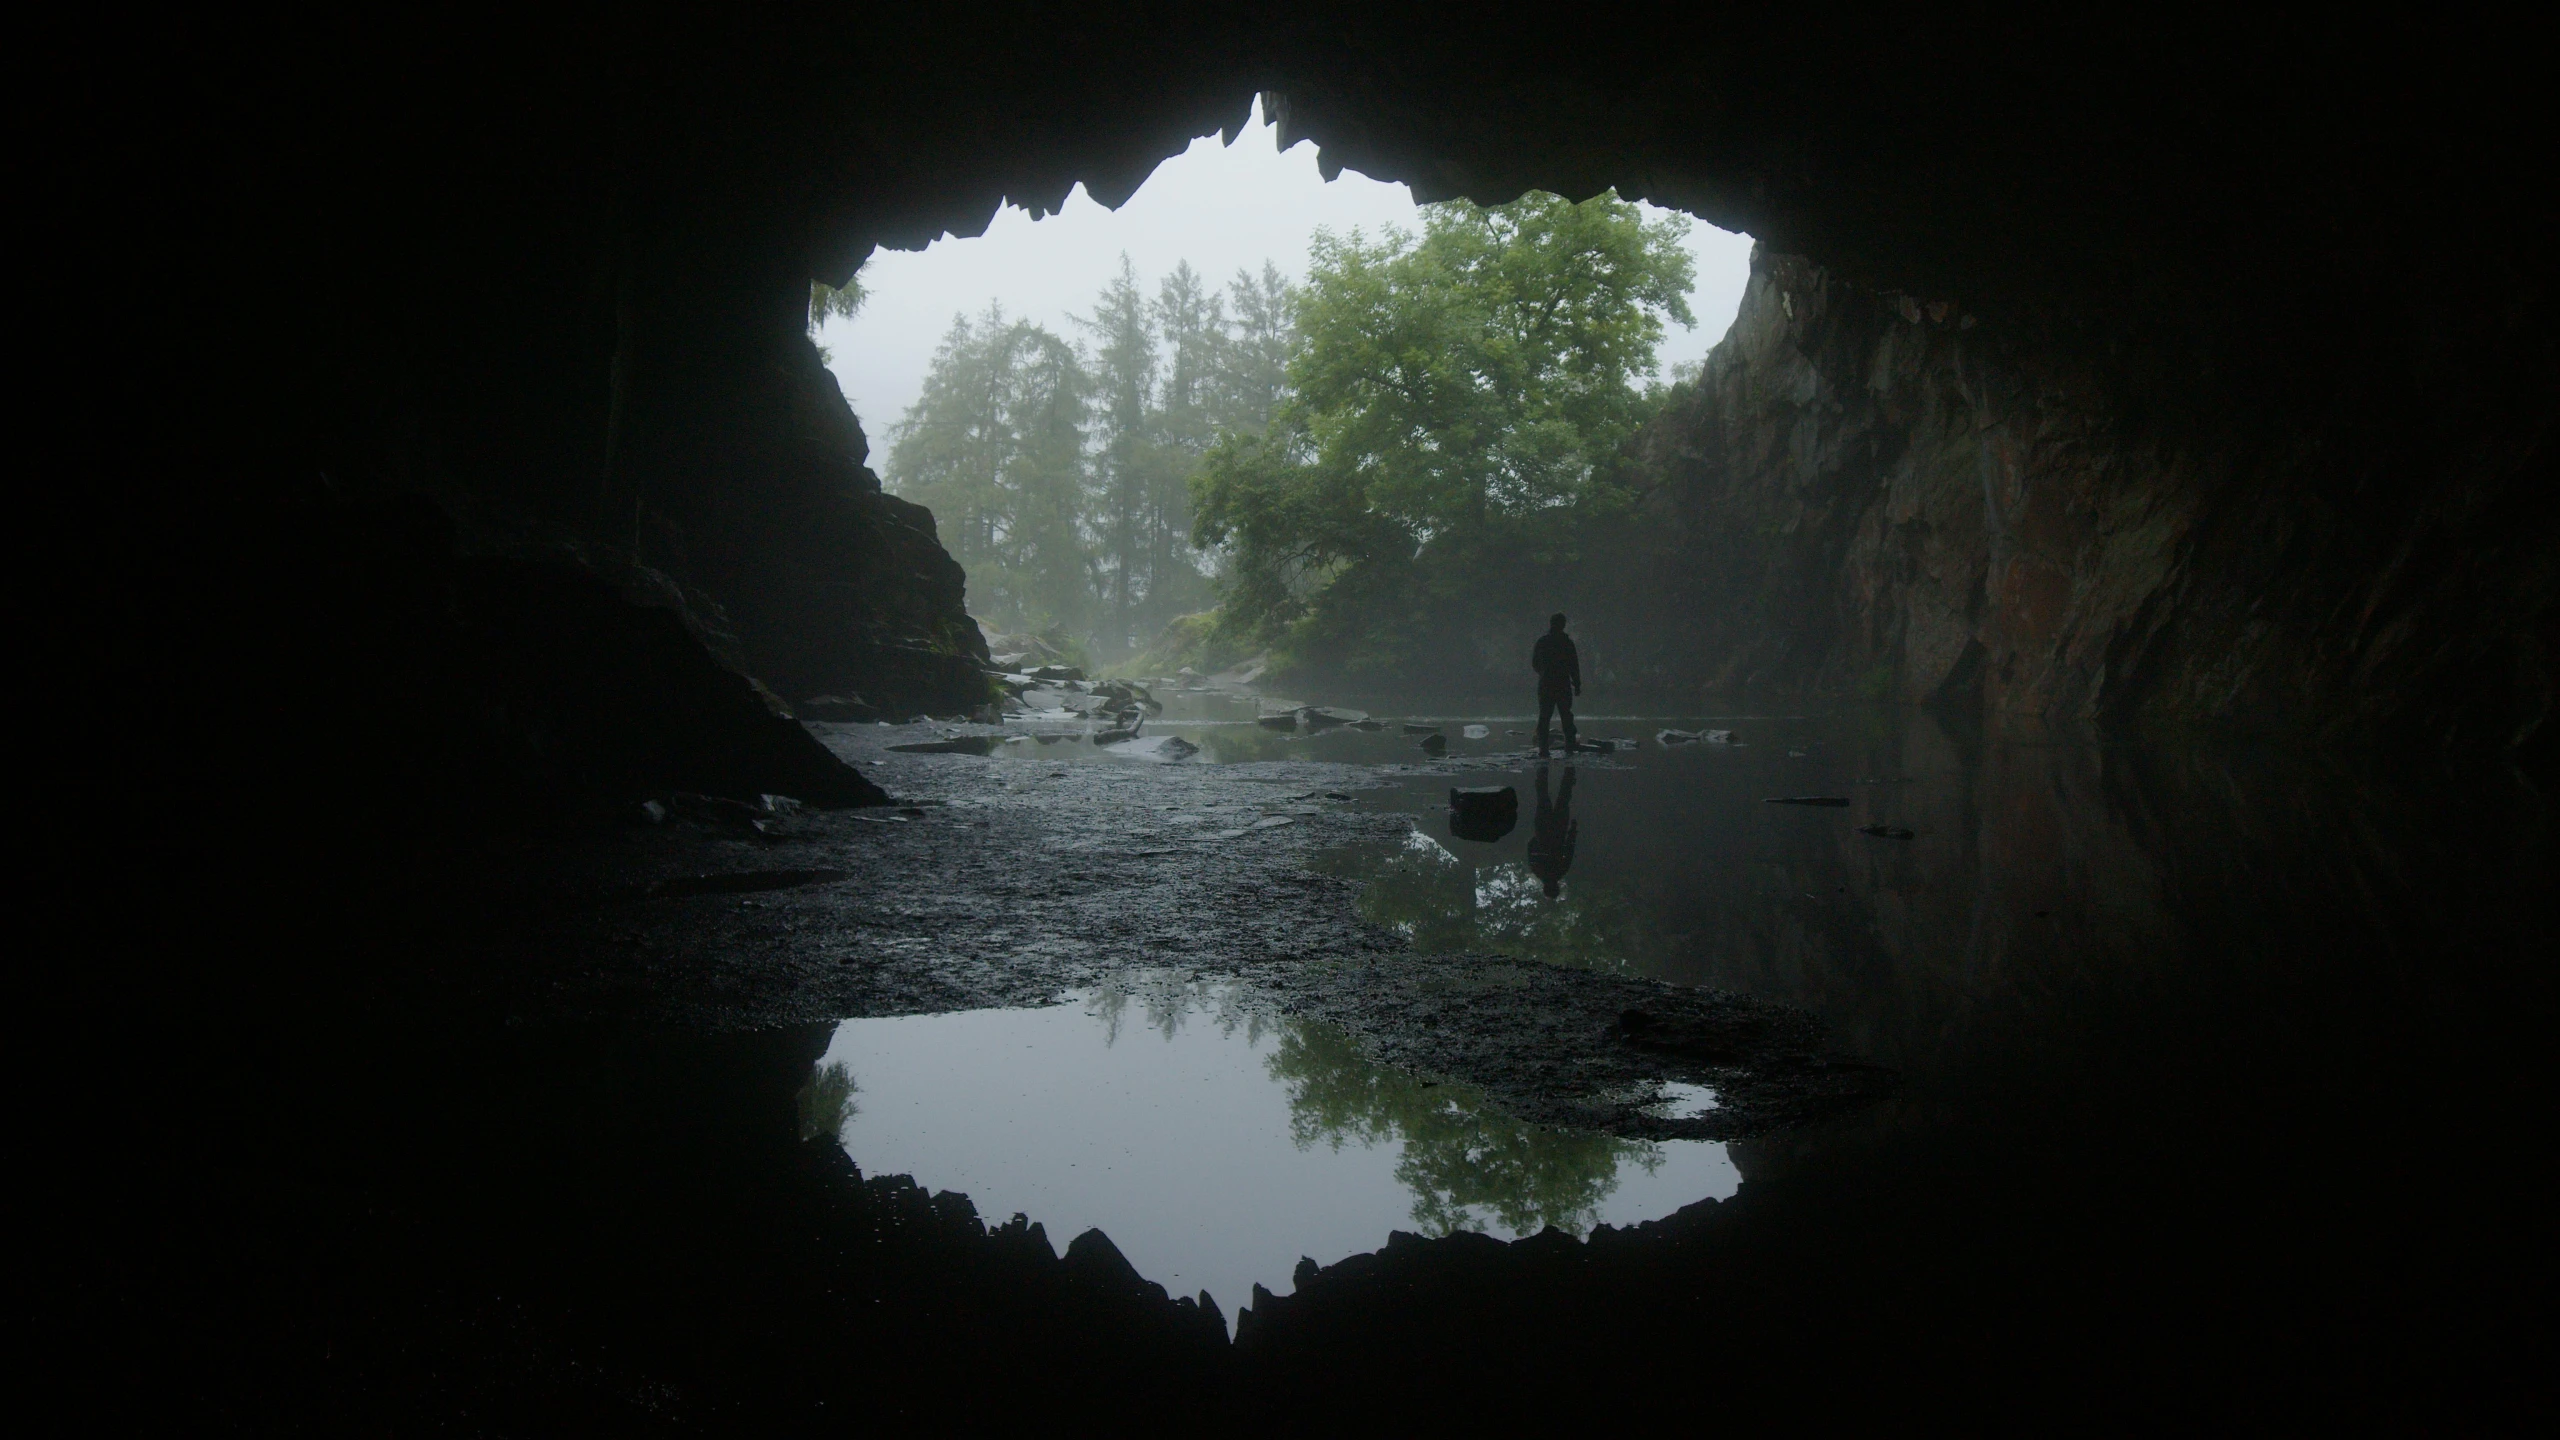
(1435, 743)
(1885, 832)
(957, 745)
(1835, 801)
(1324, 716)
(1410, 728)
(1675, 737)
(1483, 812)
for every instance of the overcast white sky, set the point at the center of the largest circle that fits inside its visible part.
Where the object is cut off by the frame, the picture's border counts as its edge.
(1219, 207)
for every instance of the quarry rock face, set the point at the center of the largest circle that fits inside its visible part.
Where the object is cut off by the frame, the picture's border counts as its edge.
(1874, 495)
(756, 488)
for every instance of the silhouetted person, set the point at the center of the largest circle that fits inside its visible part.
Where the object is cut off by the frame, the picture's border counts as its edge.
(1559, 668)
(1552, 833)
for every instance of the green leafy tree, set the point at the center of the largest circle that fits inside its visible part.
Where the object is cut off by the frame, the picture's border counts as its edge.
(844, 302)
(1446, 392)
(826, 1101)
(1464, 1161)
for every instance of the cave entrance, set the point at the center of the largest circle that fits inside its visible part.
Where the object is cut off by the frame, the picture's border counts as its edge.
(1052, 389)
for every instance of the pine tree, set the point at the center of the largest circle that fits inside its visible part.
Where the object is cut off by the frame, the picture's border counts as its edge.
(1124, 373)
(1253, 373)
(995, 446)
(1191, 321)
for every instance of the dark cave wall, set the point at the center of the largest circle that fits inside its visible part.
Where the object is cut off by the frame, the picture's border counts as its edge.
(2260, 371)
(577, 315)
(1882, 496)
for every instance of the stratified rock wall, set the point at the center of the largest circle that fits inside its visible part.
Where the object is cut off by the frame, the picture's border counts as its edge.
(1883, 496)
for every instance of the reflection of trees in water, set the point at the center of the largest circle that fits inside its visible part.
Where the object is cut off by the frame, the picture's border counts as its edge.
(826, 1102)
(1462, 1160)
(1167, 1002)
(1446, 905)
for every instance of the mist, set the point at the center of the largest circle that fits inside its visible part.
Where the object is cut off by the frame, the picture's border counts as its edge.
(1220, 207)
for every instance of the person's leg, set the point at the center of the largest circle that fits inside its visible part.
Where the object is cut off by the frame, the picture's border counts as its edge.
(1565, 704)
(1546, 712)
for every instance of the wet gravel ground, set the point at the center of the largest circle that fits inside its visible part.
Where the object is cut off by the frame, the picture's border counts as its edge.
(1011, 879)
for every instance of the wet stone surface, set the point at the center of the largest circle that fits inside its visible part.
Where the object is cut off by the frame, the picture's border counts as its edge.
(1013, 879)
(518, 1137)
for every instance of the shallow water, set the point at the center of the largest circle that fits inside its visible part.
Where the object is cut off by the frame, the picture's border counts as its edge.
(2168, 1020)
(1217, 1146)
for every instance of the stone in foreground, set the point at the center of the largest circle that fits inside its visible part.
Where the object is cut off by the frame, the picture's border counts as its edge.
(1483, 812)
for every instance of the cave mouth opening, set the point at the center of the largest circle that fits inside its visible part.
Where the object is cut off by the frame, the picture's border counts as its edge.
(1053, 386)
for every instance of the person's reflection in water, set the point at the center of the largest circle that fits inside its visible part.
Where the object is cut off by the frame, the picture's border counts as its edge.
(1551, 838)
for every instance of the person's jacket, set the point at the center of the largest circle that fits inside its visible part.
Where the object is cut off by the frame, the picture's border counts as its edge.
(1558, 664)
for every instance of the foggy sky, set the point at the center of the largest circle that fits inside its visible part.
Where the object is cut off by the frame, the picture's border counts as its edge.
(1220, 208)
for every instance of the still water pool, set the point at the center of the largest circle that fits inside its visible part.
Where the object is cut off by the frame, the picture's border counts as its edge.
(1217, 1145)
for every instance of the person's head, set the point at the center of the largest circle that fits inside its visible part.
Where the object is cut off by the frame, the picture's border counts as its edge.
(1556, 621)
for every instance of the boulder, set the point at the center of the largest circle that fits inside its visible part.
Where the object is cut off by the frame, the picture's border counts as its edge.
(1435, 743)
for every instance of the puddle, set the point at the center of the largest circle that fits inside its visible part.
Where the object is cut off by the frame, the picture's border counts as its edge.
(1665, 862)
(1682, 1101)
(1215, 1146)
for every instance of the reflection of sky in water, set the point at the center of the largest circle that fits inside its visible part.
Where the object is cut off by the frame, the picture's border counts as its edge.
(1215, 1148)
